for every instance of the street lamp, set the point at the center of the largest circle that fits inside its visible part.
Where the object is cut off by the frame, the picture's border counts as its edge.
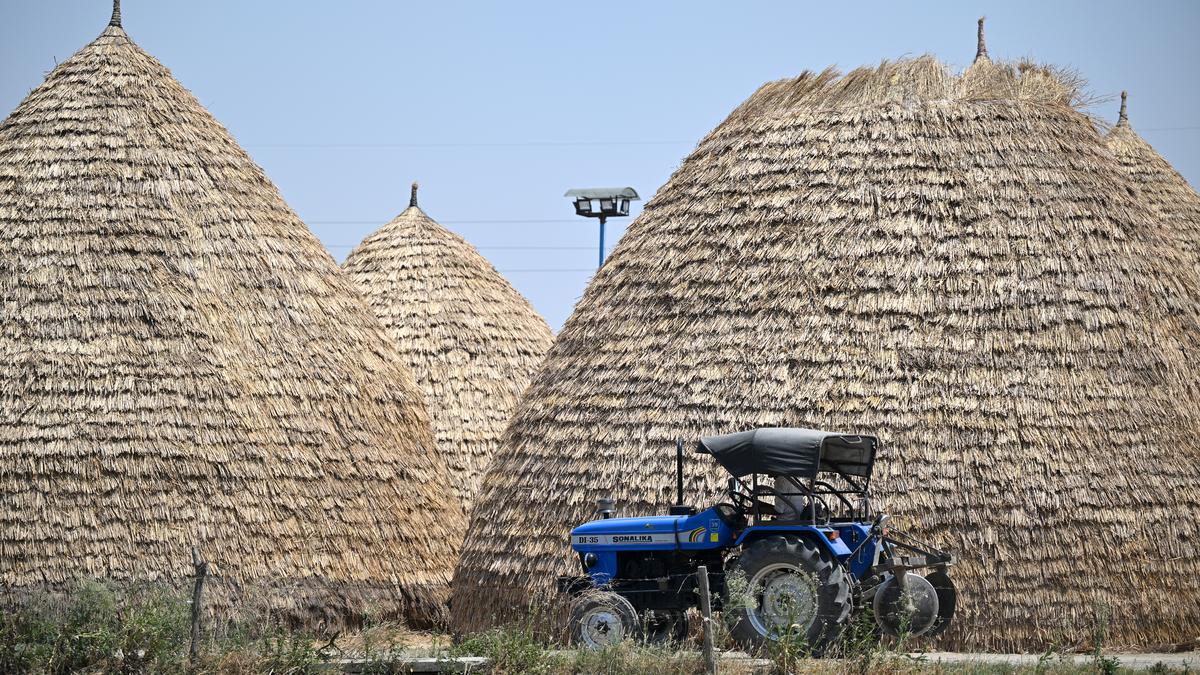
(602, 203)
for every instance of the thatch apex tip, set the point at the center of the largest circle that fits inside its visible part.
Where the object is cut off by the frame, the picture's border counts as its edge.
(980, 45)
(116, 14)
(1122, 117)
(412, 200)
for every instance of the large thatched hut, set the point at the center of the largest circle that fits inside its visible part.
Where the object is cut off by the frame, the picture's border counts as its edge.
(952, 262)
(1174, 199)
(471, 339)
(184, 365)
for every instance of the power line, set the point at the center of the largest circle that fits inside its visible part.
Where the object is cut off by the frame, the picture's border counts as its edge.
(515, 144)
(536, 248)
(518, 221)
(581, 269)
(502, 248)
(1169, 129)
(520, 144)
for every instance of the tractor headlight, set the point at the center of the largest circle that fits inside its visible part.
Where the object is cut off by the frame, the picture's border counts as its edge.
(590, 560)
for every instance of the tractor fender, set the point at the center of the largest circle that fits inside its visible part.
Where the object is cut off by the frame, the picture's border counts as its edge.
(836, 548)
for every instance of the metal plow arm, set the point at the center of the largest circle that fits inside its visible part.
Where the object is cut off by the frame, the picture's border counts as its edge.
(902, 552)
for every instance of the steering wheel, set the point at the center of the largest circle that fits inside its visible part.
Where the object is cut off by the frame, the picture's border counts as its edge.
(731, 515)
(747, 502)
(742, 501)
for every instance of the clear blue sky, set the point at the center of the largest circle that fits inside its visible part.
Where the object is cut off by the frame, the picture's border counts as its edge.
(497, 108)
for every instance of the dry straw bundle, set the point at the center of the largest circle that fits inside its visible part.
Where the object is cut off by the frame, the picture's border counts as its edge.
(1177, 203)
(953, 262)
(184, 365)
(1175, 216)
(471, 339)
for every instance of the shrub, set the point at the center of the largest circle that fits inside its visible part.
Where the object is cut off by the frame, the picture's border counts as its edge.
(91, 629)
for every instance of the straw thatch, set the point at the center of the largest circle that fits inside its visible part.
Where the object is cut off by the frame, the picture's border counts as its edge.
(1173, 198)
(184, 365)
(471, 339)
(952, 262)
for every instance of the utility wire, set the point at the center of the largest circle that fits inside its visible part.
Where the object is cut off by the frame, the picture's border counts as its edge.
(581, 269)
(516, 144)
(447, 222)
(522, 144)
(1168, 129)
(502, 248)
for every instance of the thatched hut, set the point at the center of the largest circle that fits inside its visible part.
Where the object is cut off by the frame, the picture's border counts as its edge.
(470, 338)
(952, 262)
(184, 365)
(1173, 198)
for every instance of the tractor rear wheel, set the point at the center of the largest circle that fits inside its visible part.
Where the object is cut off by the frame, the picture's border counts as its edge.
(792, 587)
(602, 619)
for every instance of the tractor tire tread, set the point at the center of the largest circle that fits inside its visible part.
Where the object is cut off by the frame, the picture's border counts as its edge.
(835, 588)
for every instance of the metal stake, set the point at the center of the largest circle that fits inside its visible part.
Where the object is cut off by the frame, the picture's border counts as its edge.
(201, 567)
(710, 655)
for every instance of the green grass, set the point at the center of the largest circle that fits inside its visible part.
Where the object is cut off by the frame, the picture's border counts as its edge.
(93, 632)
(95, 629)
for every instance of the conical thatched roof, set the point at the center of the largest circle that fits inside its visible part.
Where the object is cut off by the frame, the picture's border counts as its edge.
(184, 365)
(471, 338)
(1171, 195)
(952, 262)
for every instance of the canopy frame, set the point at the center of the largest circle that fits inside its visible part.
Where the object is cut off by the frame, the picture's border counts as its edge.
(801, 458)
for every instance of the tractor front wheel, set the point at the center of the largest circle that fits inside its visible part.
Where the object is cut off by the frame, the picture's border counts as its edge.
(792, 588)
(602, 619)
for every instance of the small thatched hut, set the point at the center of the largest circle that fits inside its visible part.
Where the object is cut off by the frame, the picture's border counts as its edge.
(472, 340)
(953, 262)
(184, 365)
(1174, 199)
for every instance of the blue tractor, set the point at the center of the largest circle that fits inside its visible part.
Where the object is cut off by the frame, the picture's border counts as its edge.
(797, 548)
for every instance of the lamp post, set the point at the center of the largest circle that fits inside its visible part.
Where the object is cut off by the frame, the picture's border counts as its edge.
(602, 203)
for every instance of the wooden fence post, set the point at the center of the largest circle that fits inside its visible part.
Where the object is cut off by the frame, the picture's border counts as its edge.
(201, 567)
(710, 656)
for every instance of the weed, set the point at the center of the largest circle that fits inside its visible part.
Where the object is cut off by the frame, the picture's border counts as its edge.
(91, 629)
(630, 658)
(1103, 664)
(510, 650)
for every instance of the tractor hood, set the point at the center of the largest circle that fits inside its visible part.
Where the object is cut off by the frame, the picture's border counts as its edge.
(702, 530)
(642, 525)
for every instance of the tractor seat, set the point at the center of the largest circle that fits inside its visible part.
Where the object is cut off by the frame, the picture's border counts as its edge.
(767, 508)
(805, 515)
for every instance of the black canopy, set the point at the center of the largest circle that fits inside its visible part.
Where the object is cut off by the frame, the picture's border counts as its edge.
(791, 452)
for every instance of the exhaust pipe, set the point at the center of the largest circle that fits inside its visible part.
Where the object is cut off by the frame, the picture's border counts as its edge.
(679, 472)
